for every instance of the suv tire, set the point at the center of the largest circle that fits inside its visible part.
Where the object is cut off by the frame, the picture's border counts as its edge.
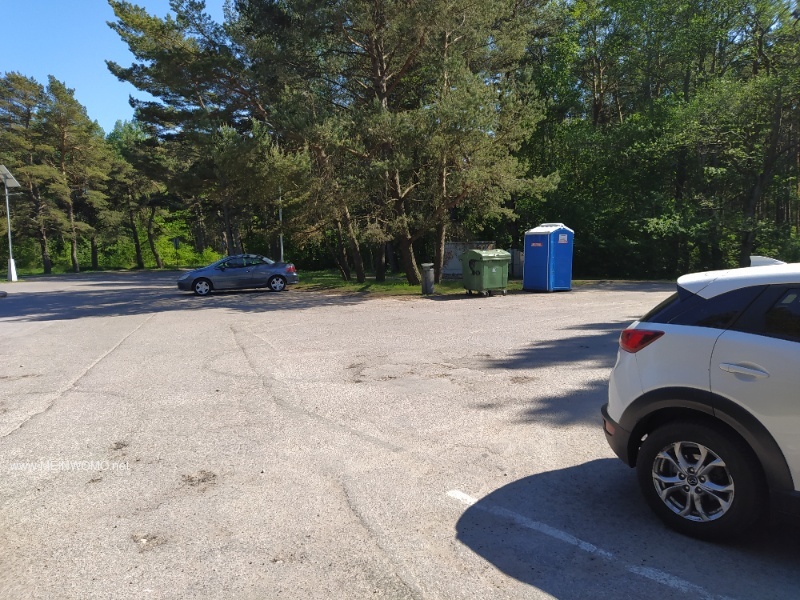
(700, 481)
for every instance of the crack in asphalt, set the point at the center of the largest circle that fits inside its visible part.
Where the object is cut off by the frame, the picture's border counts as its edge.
(278, 389)
(72, 384)
(413, 590)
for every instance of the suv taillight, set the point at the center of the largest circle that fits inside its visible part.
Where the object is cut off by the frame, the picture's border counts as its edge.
(633, 340)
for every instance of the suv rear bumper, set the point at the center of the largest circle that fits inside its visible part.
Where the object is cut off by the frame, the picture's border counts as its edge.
(616, 436)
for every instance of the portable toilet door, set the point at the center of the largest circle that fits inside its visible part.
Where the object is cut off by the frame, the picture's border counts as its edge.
(548, 258)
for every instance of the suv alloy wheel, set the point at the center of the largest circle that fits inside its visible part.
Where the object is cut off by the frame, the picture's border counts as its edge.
(699, 480)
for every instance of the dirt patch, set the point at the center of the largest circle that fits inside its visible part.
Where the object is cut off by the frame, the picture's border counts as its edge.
(486, 405)
(291, 557)
(201, 479)
(148, 541)
(522, 379)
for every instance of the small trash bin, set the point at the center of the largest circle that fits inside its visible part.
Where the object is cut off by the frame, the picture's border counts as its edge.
(485, 270)
(427, 278)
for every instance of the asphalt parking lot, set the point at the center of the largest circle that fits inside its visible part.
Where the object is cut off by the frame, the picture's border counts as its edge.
(315, 445)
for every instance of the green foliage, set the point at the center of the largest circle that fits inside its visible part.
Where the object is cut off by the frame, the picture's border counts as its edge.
(359, 132)
(670, 125)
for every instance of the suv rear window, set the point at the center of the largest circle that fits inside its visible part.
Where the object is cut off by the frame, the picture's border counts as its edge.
(719, 312)
(783, 319)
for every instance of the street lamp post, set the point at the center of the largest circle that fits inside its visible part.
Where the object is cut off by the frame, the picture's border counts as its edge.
(9, 182)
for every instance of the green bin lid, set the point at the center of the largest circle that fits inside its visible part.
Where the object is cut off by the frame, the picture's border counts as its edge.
(486, 255)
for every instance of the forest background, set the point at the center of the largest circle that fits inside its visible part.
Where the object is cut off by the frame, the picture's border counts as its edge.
(370, 132)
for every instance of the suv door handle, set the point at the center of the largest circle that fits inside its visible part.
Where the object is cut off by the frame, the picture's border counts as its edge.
(742, 370)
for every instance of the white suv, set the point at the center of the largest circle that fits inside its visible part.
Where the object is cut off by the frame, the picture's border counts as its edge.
(704, 400)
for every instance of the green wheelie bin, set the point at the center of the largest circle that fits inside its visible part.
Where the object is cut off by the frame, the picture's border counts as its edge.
(485, 271)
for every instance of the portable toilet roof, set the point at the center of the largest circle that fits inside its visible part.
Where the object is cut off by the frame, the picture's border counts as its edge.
(549, 228)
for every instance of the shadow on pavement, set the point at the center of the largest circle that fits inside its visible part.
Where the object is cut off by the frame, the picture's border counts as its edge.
(573, 407)
(108, 295)
(593, 345)
(593, 342)
(532, 529)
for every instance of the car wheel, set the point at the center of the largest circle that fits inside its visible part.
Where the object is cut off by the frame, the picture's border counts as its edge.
(202, 287)
(276, 283)
(700, 481)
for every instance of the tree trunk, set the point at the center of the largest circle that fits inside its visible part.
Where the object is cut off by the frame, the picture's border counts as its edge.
(47, 263)
(762, 180)
(95, 258)
(380, 263)
(344, 263)
(438, 260)
(717, 258)
(355, 250)
(231, 246)
(343, 271)
(748, 238)
(151, 238)
(391, 257)
(136, 242)
(237, 241)
(73, 240)
(682, 258)
(406, 243)
(199, 232)
(409, 260)
(441, 225)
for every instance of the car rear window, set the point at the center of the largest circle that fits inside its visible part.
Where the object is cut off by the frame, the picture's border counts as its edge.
(719, 312)
(783, 319)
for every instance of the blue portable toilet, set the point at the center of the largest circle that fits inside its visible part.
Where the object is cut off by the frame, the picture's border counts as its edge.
(548, 258)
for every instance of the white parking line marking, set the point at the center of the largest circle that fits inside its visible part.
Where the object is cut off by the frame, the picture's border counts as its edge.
(655, 575)
(531, 524)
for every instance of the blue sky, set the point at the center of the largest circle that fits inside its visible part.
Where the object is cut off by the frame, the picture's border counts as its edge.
(70, 40)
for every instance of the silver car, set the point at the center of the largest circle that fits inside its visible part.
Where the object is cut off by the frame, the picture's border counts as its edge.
(239, 272)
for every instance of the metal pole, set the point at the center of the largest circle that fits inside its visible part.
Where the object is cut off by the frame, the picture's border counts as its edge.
(12, 271)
